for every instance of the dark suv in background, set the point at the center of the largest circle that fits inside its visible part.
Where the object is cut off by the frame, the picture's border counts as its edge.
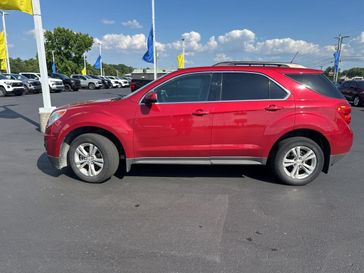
(353, 92)
(69, 84)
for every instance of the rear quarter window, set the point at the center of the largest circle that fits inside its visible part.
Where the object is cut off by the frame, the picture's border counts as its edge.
(318, 83)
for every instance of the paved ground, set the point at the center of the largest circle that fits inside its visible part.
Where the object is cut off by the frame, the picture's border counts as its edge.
(171, 218)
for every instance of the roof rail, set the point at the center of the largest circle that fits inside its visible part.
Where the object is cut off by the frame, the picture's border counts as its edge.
(258, 63)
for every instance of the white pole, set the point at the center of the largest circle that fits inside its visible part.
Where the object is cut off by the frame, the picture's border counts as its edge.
(154, 47)
(53, 59)
(8, 70)
(100, 60)
(47, 108)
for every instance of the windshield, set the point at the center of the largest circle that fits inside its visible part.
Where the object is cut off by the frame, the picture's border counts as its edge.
(19, 77)
(94, 77)
(2, 77)
(62, 76)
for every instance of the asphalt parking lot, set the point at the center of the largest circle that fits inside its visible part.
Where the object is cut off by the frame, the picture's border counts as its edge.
(171, 218)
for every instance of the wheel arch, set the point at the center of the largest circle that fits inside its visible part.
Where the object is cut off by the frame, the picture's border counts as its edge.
(84, 130)
(314, 135)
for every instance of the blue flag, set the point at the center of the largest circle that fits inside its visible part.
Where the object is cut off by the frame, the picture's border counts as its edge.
(148, 56)
(337, 60)
(97, 64)
(54, 69)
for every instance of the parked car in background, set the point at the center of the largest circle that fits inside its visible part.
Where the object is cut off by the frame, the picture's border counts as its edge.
(115, 82)
(278, 114)
(69, 84)
(10, 87)
(87, 81)
(30, 85)
(123, 82)
(55, 85)
(106, 83)
(353, 91)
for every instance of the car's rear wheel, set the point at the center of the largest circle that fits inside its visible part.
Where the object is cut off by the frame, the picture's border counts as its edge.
(91, 86)
(356, 101)
(93, 158)
(297, 161)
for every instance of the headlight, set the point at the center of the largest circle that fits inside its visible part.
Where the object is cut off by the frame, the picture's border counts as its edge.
(56, 115)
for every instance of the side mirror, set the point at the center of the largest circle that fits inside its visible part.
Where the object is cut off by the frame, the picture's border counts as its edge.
(151, 98)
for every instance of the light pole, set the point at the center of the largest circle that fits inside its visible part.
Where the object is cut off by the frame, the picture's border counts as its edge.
(8, 70)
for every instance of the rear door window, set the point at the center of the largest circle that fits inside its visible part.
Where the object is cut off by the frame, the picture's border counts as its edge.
(318, 83)
(250, 86)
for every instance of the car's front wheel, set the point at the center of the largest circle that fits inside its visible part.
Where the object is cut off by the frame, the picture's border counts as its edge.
(93, 158)
(297, 161)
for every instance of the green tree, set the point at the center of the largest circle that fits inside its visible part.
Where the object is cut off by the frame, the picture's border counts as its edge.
(18, 65)
(355, 71)
(68, 47)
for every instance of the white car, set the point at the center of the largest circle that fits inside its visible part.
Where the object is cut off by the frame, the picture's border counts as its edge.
(124, 82)
(115, 81)
(55, 85)
(8, 87)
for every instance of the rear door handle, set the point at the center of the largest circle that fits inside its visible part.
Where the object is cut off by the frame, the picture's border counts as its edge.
(200, 112)
(273, 108)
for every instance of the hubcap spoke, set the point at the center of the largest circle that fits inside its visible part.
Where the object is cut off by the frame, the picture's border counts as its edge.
(299, 162)
(88, 159)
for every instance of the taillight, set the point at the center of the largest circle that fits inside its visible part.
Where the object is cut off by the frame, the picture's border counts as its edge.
(344, 111)
(132, 86)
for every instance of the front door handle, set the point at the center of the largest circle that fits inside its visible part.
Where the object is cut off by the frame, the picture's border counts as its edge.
(273, 108)
(200, 112)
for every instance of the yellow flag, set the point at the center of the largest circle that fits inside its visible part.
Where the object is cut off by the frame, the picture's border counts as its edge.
(3, 65)
(84, 71)
(21, 5)
(181, 61)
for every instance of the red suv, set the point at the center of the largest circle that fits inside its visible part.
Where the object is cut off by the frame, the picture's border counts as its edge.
(234, 113)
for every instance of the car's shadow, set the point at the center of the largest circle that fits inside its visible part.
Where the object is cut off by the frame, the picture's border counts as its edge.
(261, 173)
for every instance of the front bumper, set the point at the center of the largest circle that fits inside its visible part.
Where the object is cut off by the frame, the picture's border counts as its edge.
(54, 161)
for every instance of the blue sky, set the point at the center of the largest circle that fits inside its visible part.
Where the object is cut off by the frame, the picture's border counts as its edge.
(213, 30)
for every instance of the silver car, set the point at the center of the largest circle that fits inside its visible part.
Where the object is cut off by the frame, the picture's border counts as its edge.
(88, 82)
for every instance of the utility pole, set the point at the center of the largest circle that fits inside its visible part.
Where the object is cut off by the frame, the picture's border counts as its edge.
(337, 55)
(8, 70)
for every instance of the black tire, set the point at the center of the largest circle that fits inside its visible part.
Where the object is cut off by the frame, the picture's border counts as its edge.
(67, 88)
(19, 92)
(2, 91)
(91, 86)
(108, 151)
(283, 148)
(356, 101)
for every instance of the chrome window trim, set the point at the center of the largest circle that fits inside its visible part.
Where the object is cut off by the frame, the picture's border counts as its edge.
(216, 101)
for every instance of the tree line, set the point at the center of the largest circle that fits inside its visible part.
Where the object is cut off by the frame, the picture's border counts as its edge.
(352, 72)
(68, 47)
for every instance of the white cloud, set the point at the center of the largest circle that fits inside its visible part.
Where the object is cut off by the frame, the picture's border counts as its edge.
(285, 46)
(123, 42)
(132, 24)
(222, 57)
(107, 22)
(237, 34)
